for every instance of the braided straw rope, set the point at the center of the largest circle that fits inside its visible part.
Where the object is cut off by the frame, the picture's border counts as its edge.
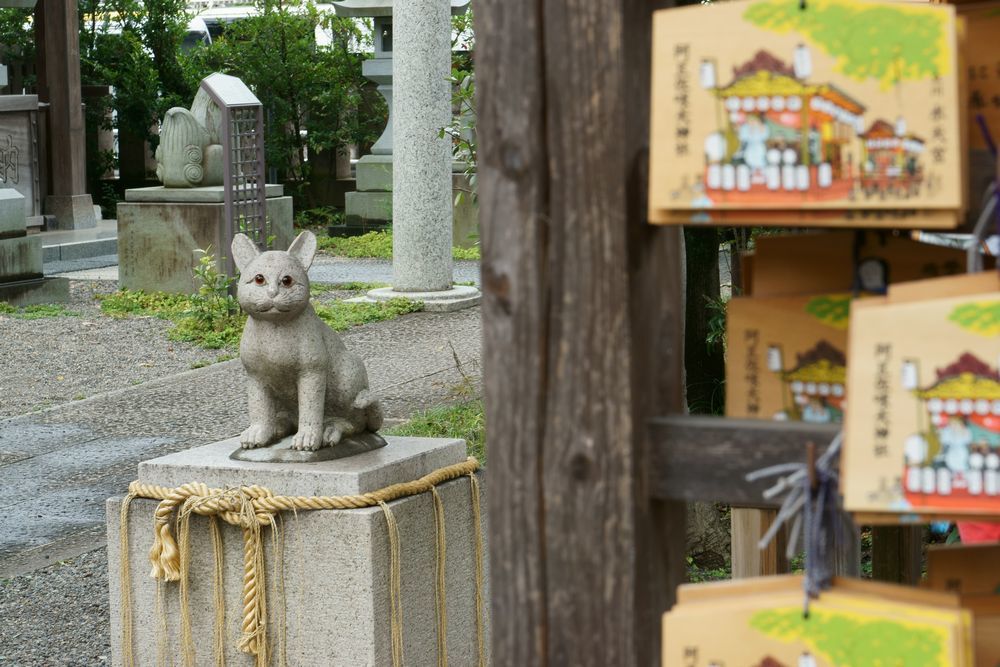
(254, 507)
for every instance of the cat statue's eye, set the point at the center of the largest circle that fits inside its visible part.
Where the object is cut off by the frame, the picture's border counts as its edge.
(259, 279)
(287, 281)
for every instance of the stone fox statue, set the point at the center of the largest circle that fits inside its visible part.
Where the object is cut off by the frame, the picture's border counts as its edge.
(302, 378)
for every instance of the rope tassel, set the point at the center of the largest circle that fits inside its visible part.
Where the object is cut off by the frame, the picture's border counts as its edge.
(253, 508)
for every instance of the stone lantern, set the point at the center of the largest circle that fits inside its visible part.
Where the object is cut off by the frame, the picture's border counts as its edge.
(370, 206)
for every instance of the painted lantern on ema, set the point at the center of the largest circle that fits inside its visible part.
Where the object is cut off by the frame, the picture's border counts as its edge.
(954, 460)
(814, 389)
(782, 135)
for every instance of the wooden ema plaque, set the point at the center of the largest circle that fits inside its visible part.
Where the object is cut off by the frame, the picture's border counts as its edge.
(760, 623)
(845, 113)
(922, 428)
(787, 340)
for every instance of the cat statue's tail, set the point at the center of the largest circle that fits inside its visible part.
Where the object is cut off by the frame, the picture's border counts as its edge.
(368, 402)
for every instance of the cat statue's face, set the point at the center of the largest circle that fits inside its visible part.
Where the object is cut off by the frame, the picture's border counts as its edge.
(274, 285)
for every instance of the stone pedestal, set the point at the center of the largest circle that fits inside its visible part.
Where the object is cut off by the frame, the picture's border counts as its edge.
(369, 208)
(71, 211)
(21, 279)
(160, 230)
(335, 566)
(19, 160)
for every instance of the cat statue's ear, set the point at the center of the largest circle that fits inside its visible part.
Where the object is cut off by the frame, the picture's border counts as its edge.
(303, 248)
(244, 251)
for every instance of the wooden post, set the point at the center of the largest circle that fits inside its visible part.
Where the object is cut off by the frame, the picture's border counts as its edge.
(749, 560)
(59, 85)
(62, 81)
(583, 330)
(897, 553)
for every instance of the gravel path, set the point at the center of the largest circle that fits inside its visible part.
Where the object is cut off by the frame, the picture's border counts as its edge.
(66, 609)
(55, 360)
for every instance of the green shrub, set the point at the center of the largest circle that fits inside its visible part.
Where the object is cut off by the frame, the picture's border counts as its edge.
(36, 311)
(466, 420)
(341, 315)
(376, 245)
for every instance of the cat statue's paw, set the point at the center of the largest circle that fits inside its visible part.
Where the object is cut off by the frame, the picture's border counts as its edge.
(258, 435)
(308, 439)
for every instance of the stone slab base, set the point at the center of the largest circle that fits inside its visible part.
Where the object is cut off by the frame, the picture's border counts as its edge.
(282, 451)
(445, 301)
(31, 292)
(368, 208)
(374, 173)
(12, 218)
(20, 257)
(71, 211)
(332, 591)
(158, 241)
(211, 194)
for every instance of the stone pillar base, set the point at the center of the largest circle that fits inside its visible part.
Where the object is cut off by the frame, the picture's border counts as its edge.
(38, 290)
(71, 211)
(443, 301)
(335, 606)
(161, 229)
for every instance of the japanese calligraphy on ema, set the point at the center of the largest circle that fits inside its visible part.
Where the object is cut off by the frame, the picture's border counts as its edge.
(752, 371)
(682, 79)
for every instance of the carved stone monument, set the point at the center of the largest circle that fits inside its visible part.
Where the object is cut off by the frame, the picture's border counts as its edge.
(190, 151)
(302, 379)
(21, 279)
(210, 160)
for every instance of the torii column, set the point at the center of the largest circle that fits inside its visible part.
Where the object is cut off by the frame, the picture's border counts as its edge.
(59, 85)
(422, 162)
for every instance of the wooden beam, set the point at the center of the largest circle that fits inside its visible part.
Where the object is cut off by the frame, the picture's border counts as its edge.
(707, 458)
(582, 328)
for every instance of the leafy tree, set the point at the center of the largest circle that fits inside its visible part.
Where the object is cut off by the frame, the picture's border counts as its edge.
(315, 98)
(852, 639)
(17, 40)
(856, 35)
(981, 317)
(462, 128)
(831, 309)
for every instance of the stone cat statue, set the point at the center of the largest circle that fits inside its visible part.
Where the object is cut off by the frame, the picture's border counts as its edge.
(302, 378)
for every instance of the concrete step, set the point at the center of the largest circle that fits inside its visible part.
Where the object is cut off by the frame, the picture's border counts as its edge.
(78, 244)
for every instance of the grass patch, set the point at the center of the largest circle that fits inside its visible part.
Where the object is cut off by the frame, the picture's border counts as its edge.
(218, 328)
(125, 303)
(698, 574)
(202, 363)
(376, 245)
(372, 244)
(351, 286)
(465, 253)
(212, 327)
(465, 420)
(342, 316)
(36, 311)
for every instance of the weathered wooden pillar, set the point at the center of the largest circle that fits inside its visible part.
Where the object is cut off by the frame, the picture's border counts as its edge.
(67, 200)
(583, 334)
(897, 553)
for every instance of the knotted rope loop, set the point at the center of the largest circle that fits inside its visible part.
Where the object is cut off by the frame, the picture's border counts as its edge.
(253, 508)
(812, 509)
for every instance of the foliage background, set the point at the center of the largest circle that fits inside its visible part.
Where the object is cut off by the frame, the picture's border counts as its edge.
(315, 98)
